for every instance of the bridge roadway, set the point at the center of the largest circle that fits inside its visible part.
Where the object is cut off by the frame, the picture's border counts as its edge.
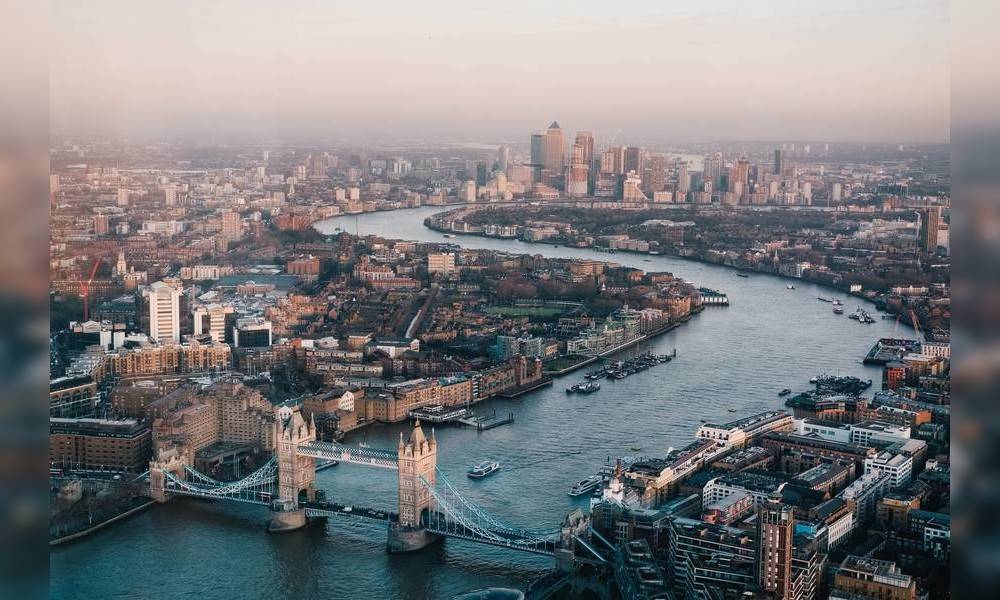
(371, 457)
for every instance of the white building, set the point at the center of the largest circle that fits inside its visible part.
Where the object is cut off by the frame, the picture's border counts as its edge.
(898, 467)
(163, 306)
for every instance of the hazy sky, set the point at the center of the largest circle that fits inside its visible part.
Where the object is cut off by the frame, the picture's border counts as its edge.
(466, 69)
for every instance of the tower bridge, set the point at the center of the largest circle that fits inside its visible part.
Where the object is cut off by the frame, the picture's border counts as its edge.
(429, 506)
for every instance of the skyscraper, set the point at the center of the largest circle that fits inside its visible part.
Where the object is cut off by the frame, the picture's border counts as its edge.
(713, 170)
(586, 140)
(775, 531)
(578, 174)
(633, 159)
(779, 161)
(930, 222)
(554, 153)
(503, 158)
(163, 304)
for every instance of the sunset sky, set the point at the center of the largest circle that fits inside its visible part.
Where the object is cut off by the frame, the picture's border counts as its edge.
(473, 70)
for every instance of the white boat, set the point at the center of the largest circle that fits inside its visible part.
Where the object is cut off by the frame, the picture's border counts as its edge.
(586, 486)
(790, 286)
(483, 469)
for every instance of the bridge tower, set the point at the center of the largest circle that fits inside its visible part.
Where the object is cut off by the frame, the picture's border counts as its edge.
(296, 474)
(417, 459)
(167, 461)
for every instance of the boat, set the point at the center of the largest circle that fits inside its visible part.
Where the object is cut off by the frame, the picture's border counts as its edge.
(822, 299)
(785, 392)
(790, 286)
(837, 302)
(635, 448)
(483, 469)
(732, 410)
(744, 275)
(838, 310)
(449, 235)
(586, 486)
(813, 379)
(589, 388)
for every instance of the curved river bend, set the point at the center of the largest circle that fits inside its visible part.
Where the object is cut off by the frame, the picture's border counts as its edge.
(738, 357)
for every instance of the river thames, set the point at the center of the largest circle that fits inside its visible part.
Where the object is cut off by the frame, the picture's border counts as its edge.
(738, 358)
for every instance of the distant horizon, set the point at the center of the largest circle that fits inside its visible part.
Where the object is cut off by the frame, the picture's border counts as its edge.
(679, 72)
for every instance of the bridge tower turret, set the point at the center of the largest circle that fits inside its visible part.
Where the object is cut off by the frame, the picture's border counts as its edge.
(417, 464)
(296, 474)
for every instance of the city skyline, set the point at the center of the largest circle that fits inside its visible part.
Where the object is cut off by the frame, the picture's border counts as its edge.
(858, 74)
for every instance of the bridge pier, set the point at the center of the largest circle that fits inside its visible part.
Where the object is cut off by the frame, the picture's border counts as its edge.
(403, 538)
(285, 517)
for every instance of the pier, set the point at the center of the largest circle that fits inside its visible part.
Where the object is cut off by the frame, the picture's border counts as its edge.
(439, 414)
(482, 423)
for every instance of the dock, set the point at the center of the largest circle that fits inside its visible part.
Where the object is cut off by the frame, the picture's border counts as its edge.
(439, 414)
(482, 423)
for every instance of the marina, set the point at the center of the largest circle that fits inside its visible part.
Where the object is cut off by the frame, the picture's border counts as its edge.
(623, 368)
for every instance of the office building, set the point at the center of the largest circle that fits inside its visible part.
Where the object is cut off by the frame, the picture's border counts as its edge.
(163, 308)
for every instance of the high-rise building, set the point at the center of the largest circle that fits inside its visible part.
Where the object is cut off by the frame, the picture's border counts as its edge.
(170, 195)
(683, 177)
(633, 159)
(779, 161)
(441, 262)
(212, 319)
(163, 306)
(775, 532)
(232, 226)
(613, 161)
(654, 176)
(101, 225)
(467, 193)
(713, 171)
(837, 193)
(585, 139)
(554, 154)
(123, 195)
(930, 222)
(578, 174)
(503, 158)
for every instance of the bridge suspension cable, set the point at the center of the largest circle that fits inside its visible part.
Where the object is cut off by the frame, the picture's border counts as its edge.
(256, 488)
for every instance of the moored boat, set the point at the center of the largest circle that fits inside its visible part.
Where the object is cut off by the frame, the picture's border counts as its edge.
(586, 486)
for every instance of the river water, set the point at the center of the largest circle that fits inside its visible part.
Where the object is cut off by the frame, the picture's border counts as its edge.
(727, 358)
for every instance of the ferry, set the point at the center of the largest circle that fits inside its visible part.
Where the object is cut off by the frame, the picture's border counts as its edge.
(586, 486)
(584, 388)
(785, 392)
(483, 469)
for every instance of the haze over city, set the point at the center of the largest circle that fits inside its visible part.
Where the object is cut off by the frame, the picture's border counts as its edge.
(437, 71)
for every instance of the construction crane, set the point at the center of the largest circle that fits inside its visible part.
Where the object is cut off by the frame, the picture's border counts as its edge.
(85, 289)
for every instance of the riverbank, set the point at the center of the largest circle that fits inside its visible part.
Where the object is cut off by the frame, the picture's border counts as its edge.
(102, 524)
(433, 224)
